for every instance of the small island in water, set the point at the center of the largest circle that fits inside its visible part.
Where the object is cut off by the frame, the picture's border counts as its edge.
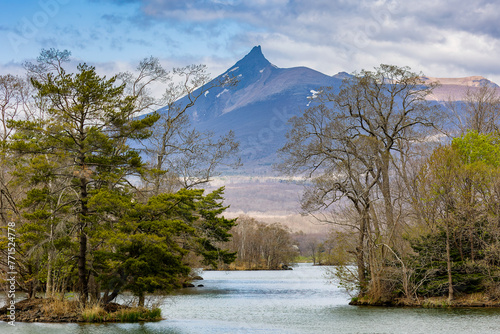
(54, 310)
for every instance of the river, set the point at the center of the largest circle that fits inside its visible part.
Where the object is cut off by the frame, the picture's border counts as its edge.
(298, 301)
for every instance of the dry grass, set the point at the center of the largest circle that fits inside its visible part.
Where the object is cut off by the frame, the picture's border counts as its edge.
(475, 298)
(93, 313)
(479, 299)
(54, 310)
(436, 302)
(57, 307)
(96, 313)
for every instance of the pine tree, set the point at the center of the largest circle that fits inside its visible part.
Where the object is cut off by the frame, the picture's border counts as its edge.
(83, 137)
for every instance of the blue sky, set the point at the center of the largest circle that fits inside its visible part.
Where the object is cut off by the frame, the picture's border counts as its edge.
(440, 38)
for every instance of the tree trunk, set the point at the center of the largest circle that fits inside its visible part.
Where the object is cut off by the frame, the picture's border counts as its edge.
(82, 257)
(360, 255)
(448, 261)
(49, 286)
(64, 284)
(471, 237)
(31, 287)
(386, 193)
(112, 296)
(94, 289)
(116, 289)
(375, 284)
(141, 300)
(82, 272)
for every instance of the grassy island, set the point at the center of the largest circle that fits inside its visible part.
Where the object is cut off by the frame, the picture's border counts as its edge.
(54, 310)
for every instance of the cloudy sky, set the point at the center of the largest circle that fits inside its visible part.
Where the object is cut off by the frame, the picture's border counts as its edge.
(448, 38)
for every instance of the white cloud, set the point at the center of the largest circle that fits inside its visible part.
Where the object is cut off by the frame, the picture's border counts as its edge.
(440, 38)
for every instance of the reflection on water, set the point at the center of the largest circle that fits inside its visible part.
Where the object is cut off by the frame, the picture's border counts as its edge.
(297, 301)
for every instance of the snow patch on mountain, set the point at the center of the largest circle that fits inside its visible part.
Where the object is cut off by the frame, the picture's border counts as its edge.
(313, 96)
(224, 91)
(259, 106)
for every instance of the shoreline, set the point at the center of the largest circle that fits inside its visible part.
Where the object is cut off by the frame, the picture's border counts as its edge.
(253, 269)
(56, 311)
(466, 301)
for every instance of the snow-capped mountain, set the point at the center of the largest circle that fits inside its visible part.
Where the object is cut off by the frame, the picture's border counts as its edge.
(260, 81)
(258, 108)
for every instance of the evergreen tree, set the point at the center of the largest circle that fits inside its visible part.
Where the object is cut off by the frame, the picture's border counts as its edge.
(144, 249)
(84, 220)
(83, 137)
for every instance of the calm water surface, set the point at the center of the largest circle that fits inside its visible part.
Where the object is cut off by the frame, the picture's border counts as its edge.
(285, 302)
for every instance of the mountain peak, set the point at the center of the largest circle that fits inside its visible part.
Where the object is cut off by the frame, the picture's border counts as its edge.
(256, 52)
(254, 59)
(342, 75)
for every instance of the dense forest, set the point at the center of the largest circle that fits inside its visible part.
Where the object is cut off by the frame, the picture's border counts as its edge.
(412, 185)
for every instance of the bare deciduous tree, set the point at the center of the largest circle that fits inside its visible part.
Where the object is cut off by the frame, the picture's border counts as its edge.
(347, 146)
(181, 156)
(479, 111)
(261, 246)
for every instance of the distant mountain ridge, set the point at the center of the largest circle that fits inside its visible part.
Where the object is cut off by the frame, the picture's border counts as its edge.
(473, 81)
(257, 109)
(456, 88)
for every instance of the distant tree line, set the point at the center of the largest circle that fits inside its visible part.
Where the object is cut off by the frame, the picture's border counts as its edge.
(320, 249)
(261, 246)
(411, 184)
